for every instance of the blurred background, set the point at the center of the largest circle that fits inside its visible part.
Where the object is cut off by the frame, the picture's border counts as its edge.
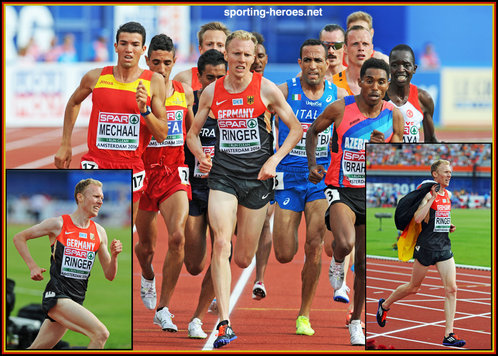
(48, 49)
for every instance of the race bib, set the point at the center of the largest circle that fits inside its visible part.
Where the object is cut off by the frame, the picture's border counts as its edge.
(89, 165)
(332, 195)
(238, 136)
(353, 167)
(118, 131)
(322, 144)
(138, 181)
(175, 131)
(183, 173)
(442, 221)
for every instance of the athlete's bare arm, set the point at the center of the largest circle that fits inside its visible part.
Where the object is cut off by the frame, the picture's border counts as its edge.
(274, 100)
(109, 262)
(332, 114)
(184, 77)
(64, 154)
(193, 140)
(427, 105)
(51, 227)
(398, 126)
(422, 212)
(189, 97)
(156, 121)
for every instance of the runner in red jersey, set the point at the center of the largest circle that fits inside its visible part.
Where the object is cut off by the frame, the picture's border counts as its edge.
(75, 241)
(244, 164)
(211, 35)
(433, 247)
(168, 188)
(415, 104)
(121, 121)
(357, 120)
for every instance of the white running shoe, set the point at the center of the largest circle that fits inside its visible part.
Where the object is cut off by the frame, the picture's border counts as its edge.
(341, 295)
(148, 293)
(336, 274)
(258, 291)
(356, 335)
(195, 329)
(163, 319)
(213, 307)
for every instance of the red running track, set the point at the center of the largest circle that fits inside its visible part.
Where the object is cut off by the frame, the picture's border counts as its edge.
(268, 324)
(417, 321)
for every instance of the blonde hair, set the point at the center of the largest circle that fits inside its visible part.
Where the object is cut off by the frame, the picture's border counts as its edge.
(211, 26)
(83, 184)
(243, 36)
(435, 165)
(360, 16)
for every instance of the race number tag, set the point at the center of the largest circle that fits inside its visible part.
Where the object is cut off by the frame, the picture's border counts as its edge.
(138, 181)
(89, 165)
(442, 222)
(183, 173)
(279, 181)
(332, 195)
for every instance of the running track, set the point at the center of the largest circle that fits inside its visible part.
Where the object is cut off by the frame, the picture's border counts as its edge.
(417, 322)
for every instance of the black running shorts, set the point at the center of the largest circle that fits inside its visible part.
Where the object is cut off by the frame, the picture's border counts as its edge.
(251, 193)
(428, 257)
(354, 198)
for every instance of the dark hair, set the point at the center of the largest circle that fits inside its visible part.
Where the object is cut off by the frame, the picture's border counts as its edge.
(259, 37)
(312, 42)
(211, 57)
(331, 28)
(403, 47)
(131, 27)
(161, 42)
(374, 63)
(354, 28)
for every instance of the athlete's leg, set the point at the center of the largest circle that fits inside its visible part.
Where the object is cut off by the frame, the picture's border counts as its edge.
(74, 316)
(249, 225)
(285, 238)
(342, 220)
(146, 245)
(264, 246)
(222, 211)
(174, 211)
(359, 273)
(48, 336)
(447, 271)
(195, 244)
(134, 211)
(418, 274)
(315, 229)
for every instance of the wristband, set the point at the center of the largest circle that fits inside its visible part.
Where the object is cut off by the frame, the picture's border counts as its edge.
(144, 114)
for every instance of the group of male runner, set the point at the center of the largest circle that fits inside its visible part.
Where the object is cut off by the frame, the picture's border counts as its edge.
(144, 121)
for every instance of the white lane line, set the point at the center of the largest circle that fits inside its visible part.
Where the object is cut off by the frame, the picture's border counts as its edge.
(50, 159)
(32, 140)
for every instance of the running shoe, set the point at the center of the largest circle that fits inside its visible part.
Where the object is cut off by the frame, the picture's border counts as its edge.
(163, 319)
(148, 293)
(341, 295)
(195, 329)
(213, 307)
(336, 274)
(258, 291)
(356, 335)
(453, 340)
(303, 326)
(348, 319)
(381, 314)
(225, 335)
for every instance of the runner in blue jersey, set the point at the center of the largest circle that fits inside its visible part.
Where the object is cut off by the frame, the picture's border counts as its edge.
(294, 193)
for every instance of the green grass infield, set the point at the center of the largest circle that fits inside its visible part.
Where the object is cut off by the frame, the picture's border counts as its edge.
(470, 243)
(110, 301)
